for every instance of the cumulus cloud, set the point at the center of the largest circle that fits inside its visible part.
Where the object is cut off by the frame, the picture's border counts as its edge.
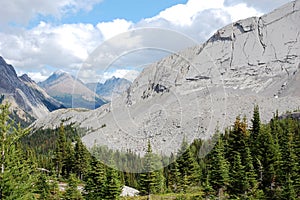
(111, 29)
(46, 45)
(261, 5)
(22, 11)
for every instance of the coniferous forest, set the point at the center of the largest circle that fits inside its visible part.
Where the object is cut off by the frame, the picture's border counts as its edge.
(246, 161)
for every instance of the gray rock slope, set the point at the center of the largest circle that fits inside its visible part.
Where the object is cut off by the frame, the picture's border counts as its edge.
(252, 61)
(25, 96)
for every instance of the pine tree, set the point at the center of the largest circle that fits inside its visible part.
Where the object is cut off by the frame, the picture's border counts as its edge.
(255, 123)
(96, 181)
(267, 160)
(238, 184)
(17, 175)
(61, 152)
(72, 192)
(288, 192)
(250, 175)
(173, 174)
(82, 159)
(187, 165)
(43, 187)
(147, 178)
(113, 184)
(219, 167)
(290, 163)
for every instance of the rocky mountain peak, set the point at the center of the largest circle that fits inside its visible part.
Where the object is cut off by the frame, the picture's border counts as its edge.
(26, 78)
(24, 94)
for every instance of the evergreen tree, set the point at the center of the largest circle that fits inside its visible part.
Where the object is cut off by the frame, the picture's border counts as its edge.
(288, 190)
(267, 160)
(113, 184)
(290, 162)
(255, 123)
(61, 152)
(173, 174)
(43, 187)
(96, 181)
(238, 184)
(72, 192)
(82, 159)
(187, 164)
(147, 178)
(219, 168)
(17, 175)
(250, 175)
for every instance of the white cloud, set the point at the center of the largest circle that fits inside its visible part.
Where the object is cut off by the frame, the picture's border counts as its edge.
(111, 29)
(22, 11)
(261, 5)
(183, 14)
(58, 46)
(36, 76)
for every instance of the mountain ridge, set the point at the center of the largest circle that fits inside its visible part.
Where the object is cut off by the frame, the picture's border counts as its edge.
(71, 91)
(111, 88)
(24, 95)
(190, 93)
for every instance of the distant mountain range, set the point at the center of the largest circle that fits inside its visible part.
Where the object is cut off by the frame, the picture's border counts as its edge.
(191, 93)
(111, 88)
(28, 101)
(72, 92)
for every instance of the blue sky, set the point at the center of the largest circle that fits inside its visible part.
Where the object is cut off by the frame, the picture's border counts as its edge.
(40, 37)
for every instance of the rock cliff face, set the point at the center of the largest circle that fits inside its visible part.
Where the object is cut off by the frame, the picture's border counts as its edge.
(24, 94)
(252, 61)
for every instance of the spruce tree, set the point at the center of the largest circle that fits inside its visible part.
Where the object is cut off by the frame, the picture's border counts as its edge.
(17, 175)
(43, 187)
(113, 184)
(250, 174)
(61, 152)
(173, 174)
(219, 168)
(187, 164)
(82, 159)
(238, 184)
(72, 192)
(147, 178)
(255, 123)
(95, 184)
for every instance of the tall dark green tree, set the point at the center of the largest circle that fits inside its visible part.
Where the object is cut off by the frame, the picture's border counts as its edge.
(61, 152)
(187, 164)
(113, 184)
(17, 175)
(238, 181)
(95, 181)
(147, 178)
(219, 168)
(255, 123)
(173, 174)
(82, 159)
(72, 192)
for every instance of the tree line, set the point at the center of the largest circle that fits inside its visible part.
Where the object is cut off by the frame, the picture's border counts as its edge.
(256, 161)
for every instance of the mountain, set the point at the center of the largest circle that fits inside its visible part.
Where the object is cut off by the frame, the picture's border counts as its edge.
(111, 88)
(28, 100)
(71, 91)
(193, 92)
